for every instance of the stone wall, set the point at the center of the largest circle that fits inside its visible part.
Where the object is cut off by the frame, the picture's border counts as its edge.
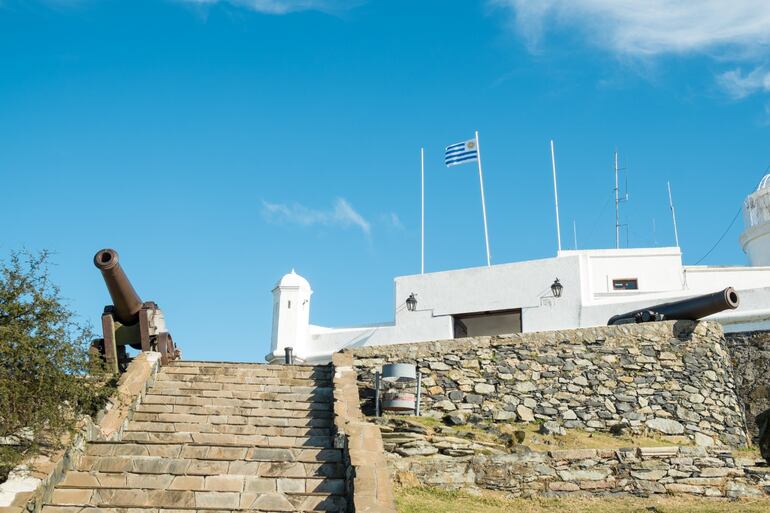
(368, 478)
(750, 353)
(673, 378)
(453, 462)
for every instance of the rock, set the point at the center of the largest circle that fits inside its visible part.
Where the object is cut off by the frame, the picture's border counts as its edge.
(569, 415)
(703, 440)
(445, 405)
(560, 486)
(580, 381)
(456, 395)
(440, 366)
(416, 449)
(583, 475)
(665, 426)
(684, 488)
(503, 415)
(619, 428)
(551, 428)
(484, 388)
(474, 399)
(455, 419)
(525, 414)
(648, 475)
(734, 490)
(650, 487)
(525, 387)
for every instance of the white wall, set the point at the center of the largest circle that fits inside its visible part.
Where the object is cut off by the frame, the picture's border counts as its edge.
(587, 299)
(655, 269)
(525, 285)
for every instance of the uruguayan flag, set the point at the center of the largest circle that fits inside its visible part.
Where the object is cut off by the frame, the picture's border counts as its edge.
(460, 153)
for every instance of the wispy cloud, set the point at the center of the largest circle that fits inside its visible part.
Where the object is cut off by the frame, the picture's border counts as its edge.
(341, 214)
(650, 27)
(281, 6)
(731, 31)
(740, 85)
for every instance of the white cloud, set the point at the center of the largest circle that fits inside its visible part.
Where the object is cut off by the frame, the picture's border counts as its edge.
(651, 27)
(740, 85)
(277, 6)
(341, 214)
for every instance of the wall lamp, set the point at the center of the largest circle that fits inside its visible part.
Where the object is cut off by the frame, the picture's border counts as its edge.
(411, 302)
(557, 288)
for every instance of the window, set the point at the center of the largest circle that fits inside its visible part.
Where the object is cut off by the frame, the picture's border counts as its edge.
(500, 322)
(625, 284)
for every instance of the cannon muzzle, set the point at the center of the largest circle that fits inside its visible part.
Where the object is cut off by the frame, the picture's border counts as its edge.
(125, 300)
(690, 309)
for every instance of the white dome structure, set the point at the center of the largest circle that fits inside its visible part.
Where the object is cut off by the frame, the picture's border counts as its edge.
(292, 279)
(755, 239)
(291, 316)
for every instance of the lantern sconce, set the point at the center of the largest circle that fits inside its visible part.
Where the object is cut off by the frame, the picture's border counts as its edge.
(411, 302)
(557, 288)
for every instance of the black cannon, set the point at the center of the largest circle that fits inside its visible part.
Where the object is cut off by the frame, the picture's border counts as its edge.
(128, 321)
(690, 309)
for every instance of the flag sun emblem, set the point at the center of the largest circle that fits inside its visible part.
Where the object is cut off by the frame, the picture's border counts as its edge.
(471, 145)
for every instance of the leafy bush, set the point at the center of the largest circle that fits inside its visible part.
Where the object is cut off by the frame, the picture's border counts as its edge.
(47, 377)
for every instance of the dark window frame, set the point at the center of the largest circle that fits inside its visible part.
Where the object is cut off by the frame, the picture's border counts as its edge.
(625, 284)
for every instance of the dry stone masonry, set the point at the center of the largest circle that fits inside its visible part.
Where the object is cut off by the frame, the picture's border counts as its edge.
(452, 460)
(668, 378)
(217, 436)
(750, 352)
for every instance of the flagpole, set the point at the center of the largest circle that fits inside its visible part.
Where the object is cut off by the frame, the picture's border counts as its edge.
(555, 198)
(483, 204)
(422, 211)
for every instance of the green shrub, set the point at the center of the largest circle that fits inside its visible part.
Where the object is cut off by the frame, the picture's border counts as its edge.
(47, 378)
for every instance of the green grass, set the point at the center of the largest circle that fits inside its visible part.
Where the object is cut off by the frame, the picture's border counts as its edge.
(432, 500)
(574, 439)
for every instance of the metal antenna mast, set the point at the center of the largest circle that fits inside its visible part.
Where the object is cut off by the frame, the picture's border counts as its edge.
(618, 199)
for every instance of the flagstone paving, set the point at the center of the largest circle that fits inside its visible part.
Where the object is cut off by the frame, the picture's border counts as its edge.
(217, 436)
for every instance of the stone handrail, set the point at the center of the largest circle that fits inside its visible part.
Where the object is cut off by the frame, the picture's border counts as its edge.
(31, 483)
(369, 480)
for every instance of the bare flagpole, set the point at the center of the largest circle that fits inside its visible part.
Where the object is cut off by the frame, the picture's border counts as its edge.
(422, 211)
(483, 204)
(555, 197)
(673, 214)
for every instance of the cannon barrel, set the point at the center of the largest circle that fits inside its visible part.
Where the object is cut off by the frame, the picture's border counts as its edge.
(691, 309)
(124, 298)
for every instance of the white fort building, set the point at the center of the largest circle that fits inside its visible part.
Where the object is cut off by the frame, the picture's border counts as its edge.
(519, 297)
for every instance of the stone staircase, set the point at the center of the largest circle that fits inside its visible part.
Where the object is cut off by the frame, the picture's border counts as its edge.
(217, 436)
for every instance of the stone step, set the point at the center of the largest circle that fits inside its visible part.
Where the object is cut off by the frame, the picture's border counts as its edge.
(225, 483)
(232, 429)
(241, 380)
(232, 411)
(240, 387)
(214, 452)
(153, 398)
(256, 371)
(233, 420)
(211, 363)
(229, 439)
(312, 394)
(152, 465)
(186, 499)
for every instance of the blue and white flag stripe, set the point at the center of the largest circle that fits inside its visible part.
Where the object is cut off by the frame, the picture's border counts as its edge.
(460, 153)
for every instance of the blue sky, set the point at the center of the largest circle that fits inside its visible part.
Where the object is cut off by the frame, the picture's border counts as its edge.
(219, 144)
